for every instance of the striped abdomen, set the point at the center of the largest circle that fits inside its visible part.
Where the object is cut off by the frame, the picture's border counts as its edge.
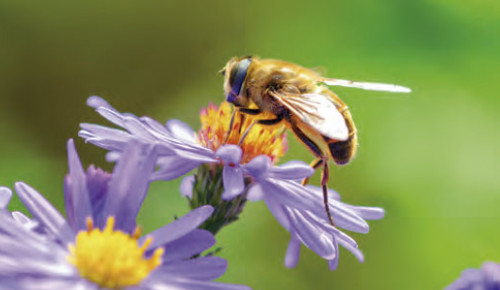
(343, 151)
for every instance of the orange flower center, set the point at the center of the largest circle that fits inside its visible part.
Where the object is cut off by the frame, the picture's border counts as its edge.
(260, 140)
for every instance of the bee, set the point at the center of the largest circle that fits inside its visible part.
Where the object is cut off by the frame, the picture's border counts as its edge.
(300, 98)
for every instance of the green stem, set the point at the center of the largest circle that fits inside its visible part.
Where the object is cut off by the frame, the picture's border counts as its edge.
(207, 189)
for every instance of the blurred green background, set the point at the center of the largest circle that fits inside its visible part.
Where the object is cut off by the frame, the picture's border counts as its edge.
(429, 158)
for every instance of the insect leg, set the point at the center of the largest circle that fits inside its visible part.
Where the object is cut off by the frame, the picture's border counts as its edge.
(250, 111)
(324, 185)
(314, 164)
(230, 126)
(266, 122)
(325, 173)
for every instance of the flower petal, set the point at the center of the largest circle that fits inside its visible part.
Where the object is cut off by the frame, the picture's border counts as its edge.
(368, 213)
(203, 268)
(107, 138)
(97, 186)
(229, 154)
(292, 170)
(293, 251)
(180, 130)
(179, 227)
(40, 208)
(258, 167)
(96, 101)
(277, 210)
(255, 193)
(186, 187)
(172, 167)
(5, 196)
(191, 284)
(311, 236)
(332, 194)
(187, 246)
(128, 186)
(76, 194)
(232, 178)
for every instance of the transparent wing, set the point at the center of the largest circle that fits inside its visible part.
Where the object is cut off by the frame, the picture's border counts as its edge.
(366, 86)
(318, 111)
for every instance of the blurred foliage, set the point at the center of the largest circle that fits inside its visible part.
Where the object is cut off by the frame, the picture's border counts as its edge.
(429, 158)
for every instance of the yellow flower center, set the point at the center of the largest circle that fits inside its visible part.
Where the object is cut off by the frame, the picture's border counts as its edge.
(260, 140)
(112, 259)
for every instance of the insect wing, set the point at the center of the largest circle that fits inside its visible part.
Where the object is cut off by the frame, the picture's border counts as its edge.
(367, 86)
(317, 111)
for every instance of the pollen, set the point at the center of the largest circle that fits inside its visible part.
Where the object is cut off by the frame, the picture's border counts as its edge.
(260, 140)
(112, 259)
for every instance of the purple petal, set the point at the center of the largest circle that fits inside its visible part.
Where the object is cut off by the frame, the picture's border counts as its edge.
(355, 251)
(339, 237)
(258, 167)
(172, 167)
(293, 251)
(368, 213)
(180, 130)
(113, 156)
(203, 268)
(234, 185)
(108, 138)
(342, 215)
(155, 126)
(111, 115)
(311, 236)
(186, 187)
(291, 193)
(73, 283)
(187, 246)
(179, 227)
(277, 210)
(20, 217)
(97, 186)
(76, 195)
(194, 152)
(40, 208)
(293, 170)
(5, 196)
(334, 263)
(255, 193)
(128, 186)
(191, 284)
(332, 194)
(229, 154)
(96, 101)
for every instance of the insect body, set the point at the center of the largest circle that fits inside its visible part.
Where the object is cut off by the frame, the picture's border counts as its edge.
(300, 98)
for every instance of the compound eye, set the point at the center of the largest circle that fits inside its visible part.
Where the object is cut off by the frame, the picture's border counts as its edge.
(238, 75)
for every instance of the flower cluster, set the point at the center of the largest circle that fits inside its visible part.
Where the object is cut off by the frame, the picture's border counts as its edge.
(228, 174)
(99, 244)
(485, 278)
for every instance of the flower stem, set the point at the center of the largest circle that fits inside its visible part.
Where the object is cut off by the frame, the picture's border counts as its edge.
(207, 189)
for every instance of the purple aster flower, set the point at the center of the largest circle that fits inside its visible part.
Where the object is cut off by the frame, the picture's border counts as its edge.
(228, 174)
(300, 210)
(485, 278)
(99, 245)
(180, 151)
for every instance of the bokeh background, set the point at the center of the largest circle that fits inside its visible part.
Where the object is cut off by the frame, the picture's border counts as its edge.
(429, 158)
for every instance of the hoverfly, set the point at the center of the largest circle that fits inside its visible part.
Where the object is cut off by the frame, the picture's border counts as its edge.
(300, 98)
